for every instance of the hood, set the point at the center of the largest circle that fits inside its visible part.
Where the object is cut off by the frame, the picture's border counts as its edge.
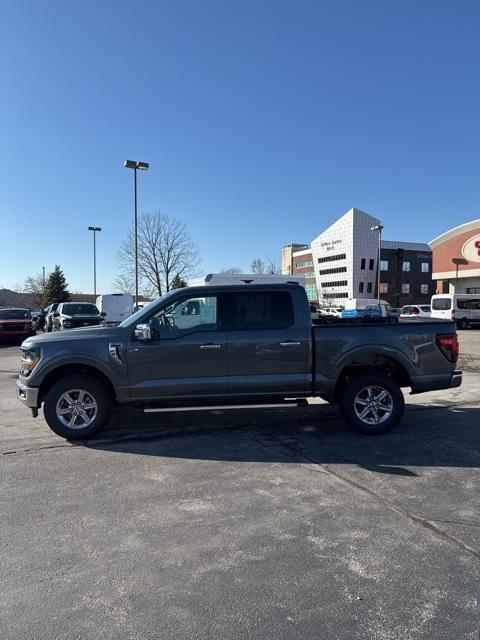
(83, 333)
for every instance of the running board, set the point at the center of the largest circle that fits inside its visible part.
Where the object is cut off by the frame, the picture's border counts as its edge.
(299, 403)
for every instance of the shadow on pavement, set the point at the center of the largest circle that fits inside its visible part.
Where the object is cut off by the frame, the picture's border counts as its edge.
(427, 437)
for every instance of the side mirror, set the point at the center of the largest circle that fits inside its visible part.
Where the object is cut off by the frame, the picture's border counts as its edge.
(56, 314)
(104, 314)
(143, 332)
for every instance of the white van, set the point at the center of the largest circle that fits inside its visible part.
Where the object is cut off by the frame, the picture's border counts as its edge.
(116, 306)
(464, 308)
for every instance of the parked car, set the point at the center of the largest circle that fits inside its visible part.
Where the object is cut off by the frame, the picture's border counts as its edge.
(331, 311)
(418, 310)
(38, 319)
(365, 307)
(71, 315)
(15, 324)
(49, 311)
(250, 344)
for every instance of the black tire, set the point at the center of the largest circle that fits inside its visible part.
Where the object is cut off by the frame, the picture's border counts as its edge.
(94, 392)
(389, 409)
(463, 324)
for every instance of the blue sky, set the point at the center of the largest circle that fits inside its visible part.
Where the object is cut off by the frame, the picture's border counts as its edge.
(263, 121)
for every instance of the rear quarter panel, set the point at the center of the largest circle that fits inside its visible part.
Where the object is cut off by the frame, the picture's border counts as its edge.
(410, 343)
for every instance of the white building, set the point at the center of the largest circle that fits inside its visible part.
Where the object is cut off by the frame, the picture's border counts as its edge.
(345, 258)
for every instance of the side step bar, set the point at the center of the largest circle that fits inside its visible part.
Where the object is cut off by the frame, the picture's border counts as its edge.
(219, 407)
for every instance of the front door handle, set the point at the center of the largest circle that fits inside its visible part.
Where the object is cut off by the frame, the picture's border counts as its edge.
(290, 344)
(210, 346)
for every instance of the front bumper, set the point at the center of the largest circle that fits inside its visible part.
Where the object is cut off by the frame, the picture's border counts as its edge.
(27, 395)
(456, 378)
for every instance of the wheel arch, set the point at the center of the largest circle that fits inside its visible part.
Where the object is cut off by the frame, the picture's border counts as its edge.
(367, 362)
(74, 369)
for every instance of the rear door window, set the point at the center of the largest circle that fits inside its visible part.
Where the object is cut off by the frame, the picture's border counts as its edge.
(441, 304)
(260, 310)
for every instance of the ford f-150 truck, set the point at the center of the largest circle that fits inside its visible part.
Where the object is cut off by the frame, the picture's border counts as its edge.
(233, 346)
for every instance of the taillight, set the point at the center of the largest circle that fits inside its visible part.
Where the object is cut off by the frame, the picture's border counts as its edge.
(448, 345)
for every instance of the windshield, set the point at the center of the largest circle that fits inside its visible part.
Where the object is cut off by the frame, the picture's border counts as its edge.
(14, 314)
(80, 309)
(441, 304)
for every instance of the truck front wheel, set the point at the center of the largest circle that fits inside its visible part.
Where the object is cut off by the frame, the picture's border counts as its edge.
(372, 404)
(77, 407)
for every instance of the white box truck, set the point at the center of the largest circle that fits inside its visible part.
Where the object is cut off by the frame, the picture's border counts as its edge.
(213, 279)
(116, 306)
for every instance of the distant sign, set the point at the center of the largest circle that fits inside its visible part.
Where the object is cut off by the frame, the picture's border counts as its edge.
(471, 249)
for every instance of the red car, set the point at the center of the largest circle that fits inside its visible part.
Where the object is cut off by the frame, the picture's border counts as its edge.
(15, 324)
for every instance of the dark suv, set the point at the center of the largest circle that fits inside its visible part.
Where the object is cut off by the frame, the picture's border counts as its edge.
(15, 324)
(70, 315)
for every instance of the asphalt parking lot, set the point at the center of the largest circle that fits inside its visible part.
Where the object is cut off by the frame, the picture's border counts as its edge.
(274, 524)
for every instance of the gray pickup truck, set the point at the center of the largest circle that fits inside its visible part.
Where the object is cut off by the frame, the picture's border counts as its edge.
(233, 346)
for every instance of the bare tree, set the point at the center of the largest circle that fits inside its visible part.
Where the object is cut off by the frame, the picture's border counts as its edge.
(165, 250)
(272, 267)
(231, 270)
(35, 286)
(124, 283)
(257, 266)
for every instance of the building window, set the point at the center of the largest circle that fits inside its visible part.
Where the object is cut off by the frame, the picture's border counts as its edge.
(473, 289)
(406, 266)
(339, 256)
(338, 283)
(325, 272)
(383, 265)
(369, 287)
(384, 287)
(303, 265)
(332, 296)
(405, 287)
(307, 274)
(425, 267)
(424, 288)
(311, 290)
(370, 264)
(360, 287)
(362, 264)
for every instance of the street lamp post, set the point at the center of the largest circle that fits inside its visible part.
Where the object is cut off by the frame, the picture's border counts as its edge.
(94, 229)
(378, 228)
(143, 166)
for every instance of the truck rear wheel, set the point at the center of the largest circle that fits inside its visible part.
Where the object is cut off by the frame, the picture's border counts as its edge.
(372, 404)
(77, 407)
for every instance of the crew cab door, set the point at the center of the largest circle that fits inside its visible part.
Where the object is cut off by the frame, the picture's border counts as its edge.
(268, 344)
(186, 354)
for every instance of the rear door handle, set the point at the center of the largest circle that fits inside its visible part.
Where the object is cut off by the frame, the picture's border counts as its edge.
(210, 346)
(290, 344)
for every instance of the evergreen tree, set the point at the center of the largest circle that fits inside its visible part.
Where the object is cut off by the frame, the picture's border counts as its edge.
(178, 283)
(56, 289)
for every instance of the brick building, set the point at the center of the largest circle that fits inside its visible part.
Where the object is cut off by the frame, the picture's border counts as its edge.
(456, 259)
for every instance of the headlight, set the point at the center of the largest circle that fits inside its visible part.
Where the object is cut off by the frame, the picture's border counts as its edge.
(29, 361)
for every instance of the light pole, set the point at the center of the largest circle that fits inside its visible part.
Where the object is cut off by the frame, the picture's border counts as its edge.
(143, 166)
(94, 229)
(378, 228)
